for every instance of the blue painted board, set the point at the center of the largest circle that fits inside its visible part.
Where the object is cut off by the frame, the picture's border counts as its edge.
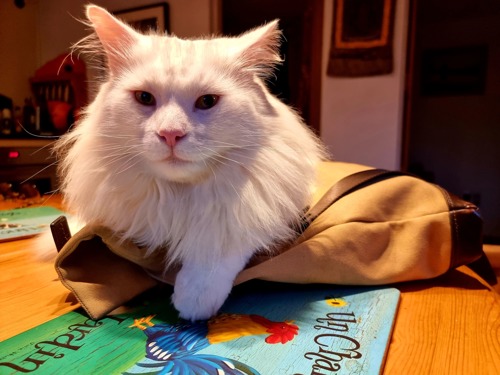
(264, 328)
(26, 222)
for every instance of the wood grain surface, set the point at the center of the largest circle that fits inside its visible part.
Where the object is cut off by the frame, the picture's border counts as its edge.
(447, 325)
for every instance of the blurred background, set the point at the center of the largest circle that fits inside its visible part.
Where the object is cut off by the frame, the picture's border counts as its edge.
(396, 84)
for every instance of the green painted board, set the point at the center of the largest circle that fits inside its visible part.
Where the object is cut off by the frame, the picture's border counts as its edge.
(264, 328)
(26, 222)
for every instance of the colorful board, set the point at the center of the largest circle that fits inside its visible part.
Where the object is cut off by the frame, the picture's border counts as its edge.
(26, 222)
(264, 328)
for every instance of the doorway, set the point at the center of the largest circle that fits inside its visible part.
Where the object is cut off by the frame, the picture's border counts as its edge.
(452, 109)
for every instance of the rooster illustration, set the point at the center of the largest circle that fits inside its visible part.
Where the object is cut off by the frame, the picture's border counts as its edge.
(173, 348)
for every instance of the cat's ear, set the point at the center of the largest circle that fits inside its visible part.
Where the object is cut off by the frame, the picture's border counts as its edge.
(258, 49)
(116, 37)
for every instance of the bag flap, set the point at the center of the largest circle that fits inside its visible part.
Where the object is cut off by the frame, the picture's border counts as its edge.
(100, 279)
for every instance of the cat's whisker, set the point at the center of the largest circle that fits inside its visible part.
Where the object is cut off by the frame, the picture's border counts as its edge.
(116, 160)
(236, 191)
(40, 171)
(49, 195)
(209, 166)
(222, 159)
(231, 145)
(123, 170)
(250, 166)
(113, 153)
(112, 156)
(206, 158)
(233, 151)
(128, 164)
(49, 145)
(244, 142)
(119, 143)
(117, 150)
(114, 136)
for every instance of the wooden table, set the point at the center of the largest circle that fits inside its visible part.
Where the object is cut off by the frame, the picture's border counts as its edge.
(448, 325)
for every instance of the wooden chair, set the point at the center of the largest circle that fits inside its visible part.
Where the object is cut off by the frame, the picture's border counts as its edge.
(60, 91)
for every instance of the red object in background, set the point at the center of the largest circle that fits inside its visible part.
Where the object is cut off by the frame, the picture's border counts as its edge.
(59, 112)
(60, 90)
(60, 65)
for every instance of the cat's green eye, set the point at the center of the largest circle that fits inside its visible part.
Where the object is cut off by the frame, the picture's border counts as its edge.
(144, 97)
(206, 101)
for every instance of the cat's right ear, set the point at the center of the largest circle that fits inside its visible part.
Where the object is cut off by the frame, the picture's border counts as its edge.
(116, 37)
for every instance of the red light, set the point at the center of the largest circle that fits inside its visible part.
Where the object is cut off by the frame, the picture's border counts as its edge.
(13, 154)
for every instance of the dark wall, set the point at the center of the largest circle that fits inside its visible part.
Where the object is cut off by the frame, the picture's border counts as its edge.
(455, 119)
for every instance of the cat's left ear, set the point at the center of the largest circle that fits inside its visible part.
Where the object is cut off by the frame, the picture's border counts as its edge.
(258, 49)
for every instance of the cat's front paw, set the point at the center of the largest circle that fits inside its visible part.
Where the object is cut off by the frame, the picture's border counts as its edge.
(197, 307)
(196, 297)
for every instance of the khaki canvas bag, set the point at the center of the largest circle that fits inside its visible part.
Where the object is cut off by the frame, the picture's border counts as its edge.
(366, 227)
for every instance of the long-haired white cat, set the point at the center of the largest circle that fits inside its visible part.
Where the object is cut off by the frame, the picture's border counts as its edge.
(185, 148)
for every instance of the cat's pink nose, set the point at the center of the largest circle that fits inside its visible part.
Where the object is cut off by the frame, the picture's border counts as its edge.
(171, 137)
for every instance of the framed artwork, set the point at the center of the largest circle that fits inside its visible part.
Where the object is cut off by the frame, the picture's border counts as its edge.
(361, 39)
(454, 71)
(148, 17)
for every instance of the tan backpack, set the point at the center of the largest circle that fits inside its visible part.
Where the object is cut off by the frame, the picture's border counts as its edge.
(366, 227)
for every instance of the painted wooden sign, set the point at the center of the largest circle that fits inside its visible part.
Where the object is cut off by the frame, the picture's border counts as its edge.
(269, 329)
(26, 222)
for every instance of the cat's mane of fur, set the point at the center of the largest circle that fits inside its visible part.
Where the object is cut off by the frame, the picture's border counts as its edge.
(252, 191)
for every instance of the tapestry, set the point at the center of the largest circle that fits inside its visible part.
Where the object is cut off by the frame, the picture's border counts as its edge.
(362, 38)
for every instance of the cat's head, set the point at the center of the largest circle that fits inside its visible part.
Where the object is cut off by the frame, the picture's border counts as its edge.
(179, 108)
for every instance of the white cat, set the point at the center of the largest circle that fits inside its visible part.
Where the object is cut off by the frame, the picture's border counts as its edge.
(184, 147)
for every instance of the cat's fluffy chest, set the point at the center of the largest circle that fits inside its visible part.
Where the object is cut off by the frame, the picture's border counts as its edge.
(229, 211)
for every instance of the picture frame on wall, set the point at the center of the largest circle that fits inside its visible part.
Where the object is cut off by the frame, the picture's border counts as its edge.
(361, 43)
(454, 71)
(148, 17)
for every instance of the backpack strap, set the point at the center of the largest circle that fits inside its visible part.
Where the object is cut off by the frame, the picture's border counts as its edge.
(343, 187)
(466, 246)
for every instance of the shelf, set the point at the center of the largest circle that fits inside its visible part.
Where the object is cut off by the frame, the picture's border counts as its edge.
(5, 142)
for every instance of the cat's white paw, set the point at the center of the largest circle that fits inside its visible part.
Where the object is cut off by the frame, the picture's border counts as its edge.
(198, 304)
(199, 296)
